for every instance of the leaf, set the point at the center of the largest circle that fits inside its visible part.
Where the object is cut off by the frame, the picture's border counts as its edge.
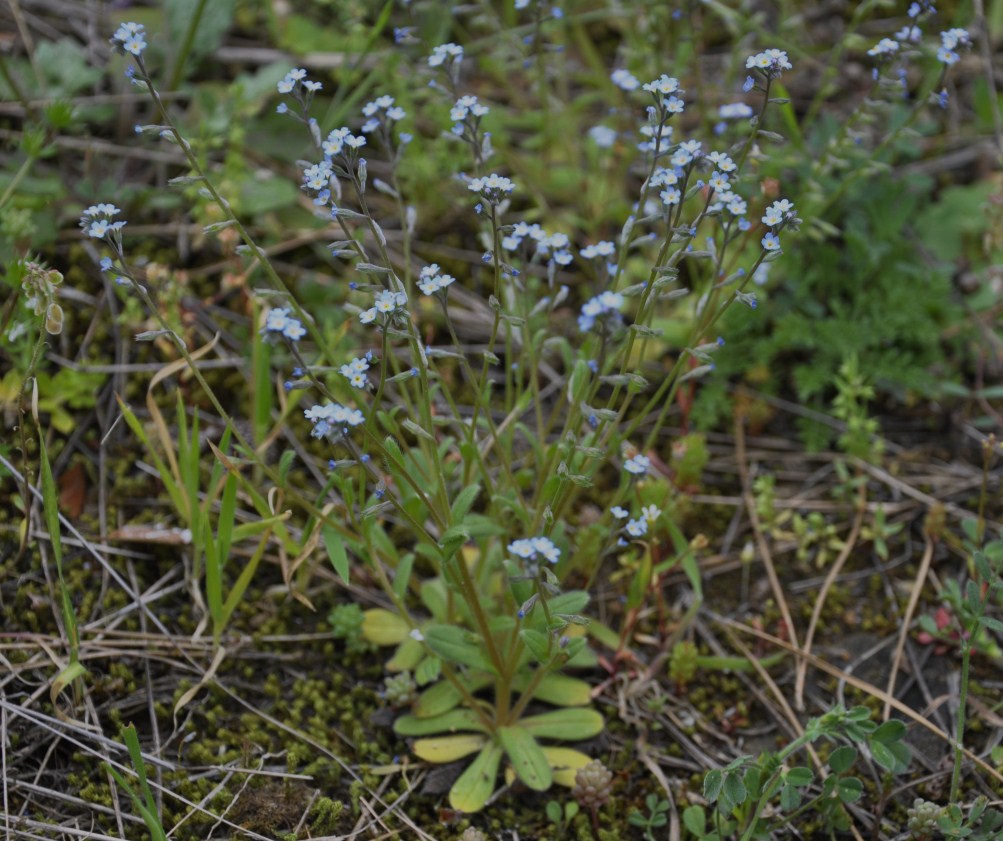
(538, 644)
(382, 627)
(336, 552)
(891, 731)
(444, 696)
(842, 758)
(565, 763)
(527, 757)
(463, 502)
(475, 785)
(799, 777)
(695, 820)
(407, 656)
(572, 724)
(713, 783)
(448, 748)
(455, 645)
(560, 690)
(734, 790)
(849, 789)
(73, 491)
(450, 722)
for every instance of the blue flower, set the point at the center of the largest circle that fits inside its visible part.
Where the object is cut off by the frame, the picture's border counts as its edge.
(279, 322)
(96, 221)
(771, 242)
(748, 84)
(637, 528)
(129, 38)
(625, 80)
(637, 465)
(445, 54)
(492, 187)
(771, 63)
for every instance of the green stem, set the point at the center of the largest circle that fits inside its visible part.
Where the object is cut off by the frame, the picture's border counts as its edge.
(186, 46)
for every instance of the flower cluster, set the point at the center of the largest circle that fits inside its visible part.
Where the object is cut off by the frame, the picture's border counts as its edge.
(771, 63)
(625, 80)
(637, 527)
(302, 88)
(599, 308)
(493, 188)
(465, 108)
(96, 221)
(380, 113)
(551, 247)
(342, 141)
(355, 371)
(387, 304)
(776, 216)
(129, 38)
(279, 322)
(950, 41)
(530, 547)
(332, 419)
(445, 54)
(605, 248)
(638, 465)
(431, 281)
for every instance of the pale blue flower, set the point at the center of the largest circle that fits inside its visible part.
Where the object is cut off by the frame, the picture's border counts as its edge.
(637, 528)
(445, 54)
(619, 513)
(638, 465)
(771, 242)
(624, 79)
(603, 136)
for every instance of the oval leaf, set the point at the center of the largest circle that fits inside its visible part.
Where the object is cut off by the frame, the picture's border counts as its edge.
(526, 756)
(565, 763)
(454, 645)
(381, 627)
(451, 722)
(560, 690)
(475, 785)
(570, 724)
(444, 696)
(448, 748)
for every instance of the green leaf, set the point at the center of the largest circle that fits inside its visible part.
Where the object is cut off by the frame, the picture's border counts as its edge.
(450, 722)
(407, 656)
(849, 789)
(335, 546)
(842, 758)
(475, 785)
(538, 644)
(799, 777)
(790, 798)
(891, 731)
(560, 690)
(713, 784)
(528, 760)
(991, 624)
(695, 820)
(894, 756)
(456, 645)
(463, 502)
(572, 724)
(734, 790)
(428, 670)
(445, 696)
(382, 627)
